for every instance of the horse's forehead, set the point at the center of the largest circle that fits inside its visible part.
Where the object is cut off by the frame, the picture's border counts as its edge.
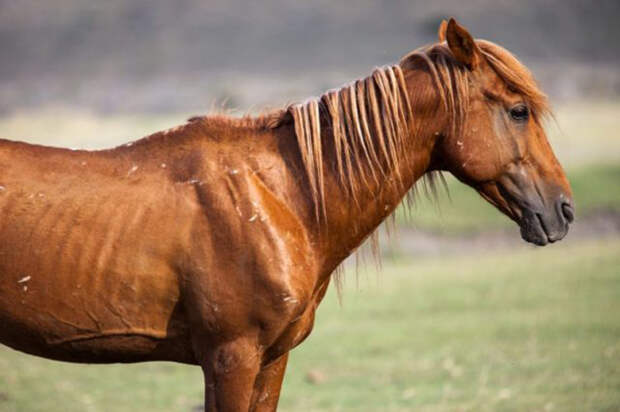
(488, 86)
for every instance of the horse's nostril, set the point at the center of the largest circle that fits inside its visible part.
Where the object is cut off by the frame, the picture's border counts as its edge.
(568, 212)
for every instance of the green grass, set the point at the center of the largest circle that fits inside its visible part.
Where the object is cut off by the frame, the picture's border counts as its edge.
(538, 329)
(523, 331)
(595, 187)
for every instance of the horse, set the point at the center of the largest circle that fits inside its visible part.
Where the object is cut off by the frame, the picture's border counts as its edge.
(213, 243)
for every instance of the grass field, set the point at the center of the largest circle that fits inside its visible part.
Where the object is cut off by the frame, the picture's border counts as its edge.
(534, 330)
(527, 329)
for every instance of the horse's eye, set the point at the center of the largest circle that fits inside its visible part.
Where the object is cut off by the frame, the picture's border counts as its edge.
(520, 112)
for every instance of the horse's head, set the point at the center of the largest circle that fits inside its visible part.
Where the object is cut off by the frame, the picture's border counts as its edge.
(499, 146)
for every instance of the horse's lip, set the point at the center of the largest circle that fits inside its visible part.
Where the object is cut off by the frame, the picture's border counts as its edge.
(536, 231)
(530, 219)
(541, 223)
(550, 238)
(533, 229)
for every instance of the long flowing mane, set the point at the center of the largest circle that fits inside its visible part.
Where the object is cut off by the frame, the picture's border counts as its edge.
(368, 120)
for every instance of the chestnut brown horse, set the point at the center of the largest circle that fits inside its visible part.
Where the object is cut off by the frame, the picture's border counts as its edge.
(213, 243)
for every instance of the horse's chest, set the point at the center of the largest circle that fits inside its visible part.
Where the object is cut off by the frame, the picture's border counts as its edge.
(299, 327)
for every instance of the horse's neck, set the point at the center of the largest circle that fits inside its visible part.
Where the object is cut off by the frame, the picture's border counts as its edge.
(349, 222)
(352, 217)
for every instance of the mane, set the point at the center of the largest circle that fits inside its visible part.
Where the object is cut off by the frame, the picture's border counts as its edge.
(517, 77)
(268, 119)
(367, 121)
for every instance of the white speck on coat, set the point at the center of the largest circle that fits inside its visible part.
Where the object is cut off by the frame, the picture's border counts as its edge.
(253, 218)
(24, 279)
(132, 170)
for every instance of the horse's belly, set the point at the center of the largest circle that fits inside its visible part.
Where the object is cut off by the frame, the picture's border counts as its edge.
(51, 308)
(125, 346)
(90, 328)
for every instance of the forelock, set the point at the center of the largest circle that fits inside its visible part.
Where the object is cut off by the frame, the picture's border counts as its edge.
(517, 77)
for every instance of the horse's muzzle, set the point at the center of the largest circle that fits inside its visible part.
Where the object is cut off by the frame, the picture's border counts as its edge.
(547, 225)
(543, 210)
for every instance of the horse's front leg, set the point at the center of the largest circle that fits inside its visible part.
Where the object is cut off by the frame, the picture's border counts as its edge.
(268, 384)
(230, 370)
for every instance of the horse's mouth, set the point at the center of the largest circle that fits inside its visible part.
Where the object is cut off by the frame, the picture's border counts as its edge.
(548, 226)
(541, 220)
(536, 231)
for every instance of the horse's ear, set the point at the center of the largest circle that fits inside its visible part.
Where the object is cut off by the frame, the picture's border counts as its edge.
(462, 45)
(441, 33)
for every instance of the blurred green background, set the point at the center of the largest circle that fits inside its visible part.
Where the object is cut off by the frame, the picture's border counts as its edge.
(463, 315)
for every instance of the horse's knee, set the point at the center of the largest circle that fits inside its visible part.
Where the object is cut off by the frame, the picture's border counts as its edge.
(230, 357)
